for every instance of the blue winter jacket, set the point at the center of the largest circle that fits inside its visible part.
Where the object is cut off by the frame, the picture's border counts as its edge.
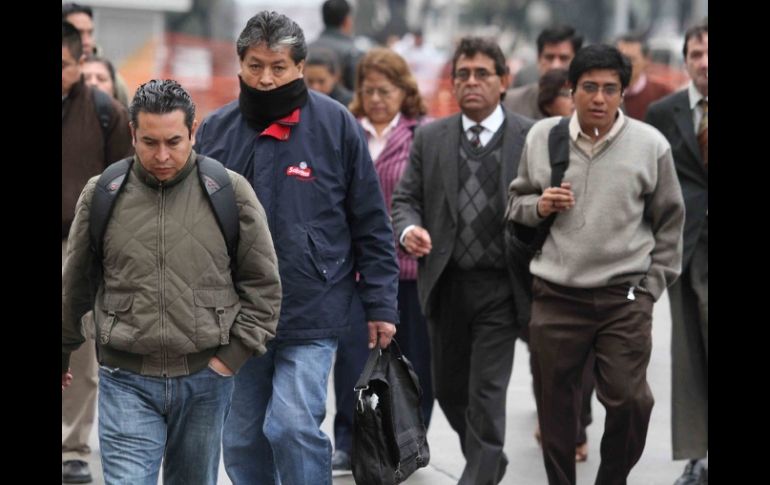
(325, 211)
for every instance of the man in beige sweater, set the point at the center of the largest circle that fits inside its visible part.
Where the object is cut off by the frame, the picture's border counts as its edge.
(614, 247)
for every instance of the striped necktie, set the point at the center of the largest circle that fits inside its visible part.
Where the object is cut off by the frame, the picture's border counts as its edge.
(476, 131)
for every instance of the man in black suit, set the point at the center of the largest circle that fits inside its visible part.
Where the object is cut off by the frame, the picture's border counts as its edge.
(453, 193)
(683, 118)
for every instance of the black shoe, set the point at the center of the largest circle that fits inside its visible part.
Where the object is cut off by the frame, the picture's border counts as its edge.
(702, 470)
(75, 471)
(341, 464)
(695, 473)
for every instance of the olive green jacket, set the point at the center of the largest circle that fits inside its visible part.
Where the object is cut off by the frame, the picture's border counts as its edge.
(167, 301)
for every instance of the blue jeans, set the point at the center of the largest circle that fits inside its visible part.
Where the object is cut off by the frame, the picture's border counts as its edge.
(273, 432)
(145, 419)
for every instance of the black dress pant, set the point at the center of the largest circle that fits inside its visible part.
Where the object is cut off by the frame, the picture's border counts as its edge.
(689, 297)
(473, 333)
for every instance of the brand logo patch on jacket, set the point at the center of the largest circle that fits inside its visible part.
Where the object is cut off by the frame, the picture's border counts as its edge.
(300, 171)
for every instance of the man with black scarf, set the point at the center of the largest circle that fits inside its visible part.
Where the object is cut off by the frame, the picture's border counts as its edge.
(308, 162)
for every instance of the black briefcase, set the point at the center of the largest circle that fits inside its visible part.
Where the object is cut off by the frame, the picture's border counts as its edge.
(389, 436)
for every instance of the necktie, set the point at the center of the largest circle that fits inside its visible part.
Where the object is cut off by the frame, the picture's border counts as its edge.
(476, 131)
(703, 132)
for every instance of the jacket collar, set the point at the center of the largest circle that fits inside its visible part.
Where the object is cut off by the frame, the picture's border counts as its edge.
(149, 179)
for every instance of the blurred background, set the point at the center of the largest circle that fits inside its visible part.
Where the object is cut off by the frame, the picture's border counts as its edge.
(192, 41)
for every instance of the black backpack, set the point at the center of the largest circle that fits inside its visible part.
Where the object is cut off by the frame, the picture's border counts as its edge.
(524, 242)
(216, 185)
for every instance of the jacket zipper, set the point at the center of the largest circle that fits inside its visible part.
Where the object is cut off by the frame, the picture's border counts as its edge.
(161, 281)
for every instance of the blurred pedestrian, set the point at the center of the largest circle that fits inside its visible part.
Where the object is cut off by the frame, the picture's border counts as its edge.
(556, 46)
(683, 119)
(95, 133)
(322, 73)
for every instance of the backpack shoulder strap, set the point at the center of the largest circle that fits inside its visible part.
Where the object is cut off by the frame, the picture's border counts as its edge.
(104, 111)
(217, 185)
(558, 150)
(108, 187)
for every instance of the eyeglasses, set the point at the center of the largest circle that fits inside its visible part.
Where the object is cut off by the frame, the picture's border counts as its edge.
(383, 92)
(609, 90)
(480, 74)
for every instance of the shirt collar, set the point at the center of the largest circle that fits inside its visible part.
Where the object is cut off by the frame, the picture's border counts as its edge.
(575, 131)
(694, 95)
(491, 122)
(369, 127)
(281, 129)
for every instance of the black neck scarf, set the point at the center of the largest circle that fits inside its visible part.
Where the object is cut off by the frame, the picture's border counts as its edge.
(261, 108)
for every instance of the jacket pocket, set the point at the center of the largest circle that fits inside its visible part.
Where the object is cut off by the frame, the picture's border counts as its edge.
(316, 251)
(215, 311)
(116, 306)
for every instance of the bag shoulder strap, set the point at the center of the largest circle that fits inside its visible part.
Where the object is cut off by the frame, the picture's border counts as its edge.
(558, 153)
(109, 185)
(366, 374)
(104, 111)
(558, 150)
(221, 194)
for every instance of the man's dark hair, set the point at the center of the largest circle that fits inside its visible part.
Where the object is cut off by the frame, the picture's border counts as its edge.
(334, 12)
(600, 56)
(558, 34)
(277, 31)
(550, 86)
(161, 97)
(70, 38)
(69, 8)
(633, 38)
(695, 32)
(319, 56)
(470, 46)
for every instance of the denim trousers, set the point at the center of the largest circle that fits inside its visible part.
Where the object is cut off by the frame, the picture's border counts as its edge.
(143, 420)
(273, 431)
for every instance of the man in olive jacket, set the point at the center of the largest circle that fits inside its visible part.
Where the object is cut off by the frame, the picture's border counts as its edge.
(173, 320)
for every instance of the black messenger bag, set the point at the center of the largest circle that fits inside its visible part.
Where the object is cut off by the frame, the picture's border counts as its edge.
(522, 242)
(389, 436)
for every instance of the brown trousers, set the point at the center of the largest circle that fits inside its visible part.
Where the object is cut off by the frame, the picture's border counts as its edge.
(567, 323)
(78, 401)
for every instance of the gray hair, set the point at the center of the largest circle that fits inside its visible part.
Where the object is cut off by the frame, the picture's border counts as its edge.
(277, 31)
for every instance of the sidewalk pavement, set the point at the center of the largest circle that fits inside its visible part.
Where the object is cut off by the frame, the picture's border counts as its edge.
(525, 459)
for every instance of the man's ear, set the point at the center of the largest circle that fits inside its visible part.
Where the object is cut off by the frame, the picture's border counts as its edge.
(194, 130)
(505, 80)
